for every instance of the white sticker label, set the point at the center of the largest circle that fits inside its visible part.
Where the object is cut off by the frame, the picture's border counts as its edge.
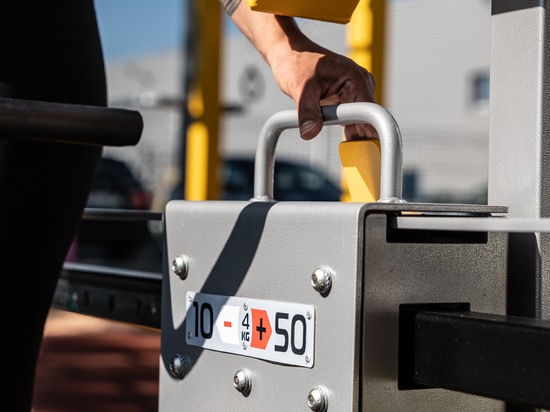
(276, 331)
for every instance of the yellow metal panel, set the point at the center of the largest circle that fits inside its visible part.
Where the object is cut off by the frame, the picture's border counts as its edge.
(361, 168)
(326, 10)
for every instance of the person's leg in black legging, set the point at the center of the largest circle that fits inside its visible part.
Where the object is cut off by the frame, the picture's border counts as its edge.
(49, 51)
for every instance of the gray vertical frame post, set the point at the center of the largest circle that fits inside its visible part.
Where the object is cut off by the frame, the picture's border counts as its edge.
(519, 161)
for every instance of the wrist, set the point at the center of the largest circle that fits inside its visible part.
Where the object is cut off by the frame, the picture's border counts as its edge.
(286, 40)
(291, 42)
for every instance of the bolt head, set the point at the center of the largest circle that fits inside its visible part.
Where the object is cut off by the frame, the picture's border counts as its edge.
(321, 280)
(178, 366)
(242, 381)
(180, 266)
(317, 400)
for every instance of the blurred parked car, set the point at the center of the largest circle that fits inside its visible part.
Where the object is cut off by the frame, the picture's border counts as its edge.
(115, 187)
(292, 181)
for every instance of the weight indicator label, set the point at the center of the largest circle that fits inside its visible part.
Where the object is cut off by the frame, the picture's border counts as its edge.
(276, 331)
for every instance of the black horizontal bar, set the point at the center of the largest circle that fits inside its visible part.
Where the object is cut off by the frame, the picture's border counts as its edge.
(69, 123)
(500, 357)
(72, 268)
(115, 294)
(120, 214)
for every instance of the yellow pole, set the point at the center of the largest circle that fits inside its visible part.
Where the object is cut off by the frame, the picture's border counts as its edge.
(202, 159)
(365, 38)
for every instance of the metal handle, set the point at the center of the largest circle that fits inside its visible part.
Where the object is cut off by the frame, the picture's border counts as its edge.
(391, 174)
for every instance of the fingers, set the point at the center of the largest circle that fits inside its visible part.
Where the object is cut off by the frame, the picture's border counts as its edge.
(334, 80)
(361, 92)
(360, 131)
(311, 121)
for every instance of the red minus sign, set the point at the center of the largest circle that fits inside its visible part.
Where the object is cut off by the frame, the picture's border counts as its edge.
(227, 324)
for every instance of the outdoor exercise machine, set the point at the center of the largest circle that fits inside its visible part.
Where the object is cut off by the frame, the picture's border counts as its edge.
(377, 306)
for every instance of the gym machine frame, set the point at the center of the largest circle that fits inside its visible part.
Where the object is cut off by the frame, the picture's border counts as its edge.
(440, 343)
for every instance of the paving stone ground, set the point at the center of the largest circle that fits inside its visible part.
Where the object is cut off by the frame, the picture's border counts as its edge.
(90, 365)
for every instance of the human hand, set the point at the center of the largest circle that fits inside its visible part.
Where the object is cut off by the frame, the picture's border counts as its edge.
(310, 74)
(313, 77)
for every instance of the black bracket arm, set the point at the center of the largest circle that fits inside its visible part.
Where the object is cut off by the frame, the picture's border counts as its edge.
(501, 357)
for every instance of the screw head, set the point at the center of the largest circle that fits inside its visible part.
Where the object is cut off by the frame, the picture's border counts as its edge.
(180, 266)
(178, 366)
(321, 280)
(317, 399)
(242, 381)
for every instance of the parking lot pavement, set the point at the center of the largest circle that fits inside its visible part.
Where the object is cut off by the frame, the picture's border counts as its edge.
(90, 365)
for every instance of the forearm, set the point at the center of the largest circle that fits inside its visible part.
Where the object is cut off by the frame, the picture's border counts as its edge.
(273, 36)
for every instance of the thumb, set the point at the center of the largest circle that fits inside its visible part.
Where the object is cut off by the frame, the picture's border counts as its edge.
(310, 119)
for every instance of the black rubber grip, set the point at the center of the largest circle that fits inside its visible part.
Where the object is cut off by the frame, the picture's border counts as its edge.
(69, 123)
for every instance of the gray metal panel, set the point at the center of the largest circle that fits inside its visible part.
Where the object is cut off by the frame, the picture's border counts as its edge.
(519, 115)
(264, 251)
(472, 224)
(519, 170)
(398, 273)
(268, 251)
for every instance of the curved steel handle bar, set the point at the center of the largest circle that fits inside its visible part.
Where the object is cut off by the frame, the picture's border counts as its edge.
(69, 123)
(391, 174)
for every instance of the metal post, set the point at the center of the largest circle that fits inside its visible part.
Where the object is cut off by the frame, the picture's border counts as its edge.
(365, 40)
(366, 43)
(201, 178)
(519, 166)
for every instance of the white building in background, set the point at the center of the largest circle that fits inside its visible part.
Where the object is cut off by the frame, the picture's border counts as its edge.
(436, 86)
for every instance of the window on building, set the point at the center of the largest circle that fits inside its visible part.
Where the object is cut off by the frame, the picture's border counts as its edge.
(480, 89)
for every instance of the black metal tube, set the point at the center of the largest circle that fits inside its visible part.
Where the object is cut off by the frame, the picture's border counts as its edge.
(69, 123)
(120, 215)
